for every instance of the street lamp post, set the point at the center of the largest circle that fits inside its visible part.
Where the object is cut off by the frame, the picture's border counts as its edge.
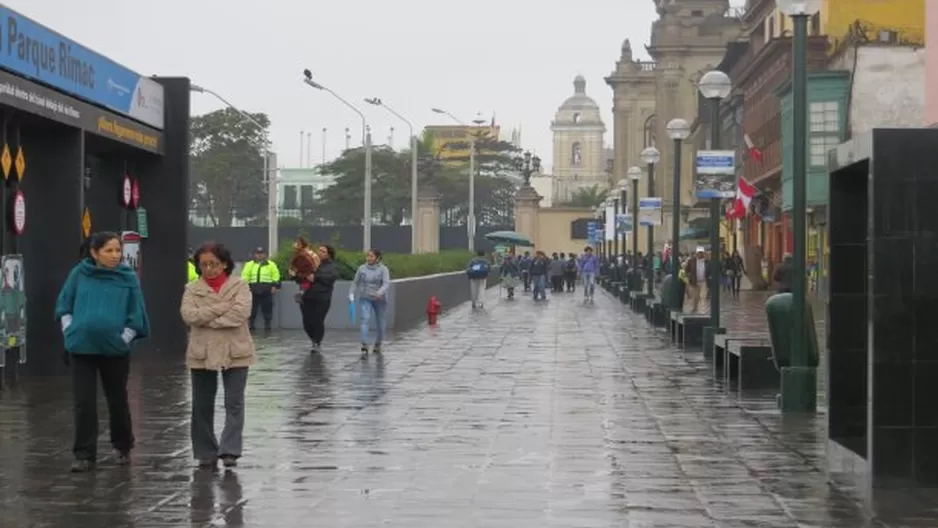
(366, 140)
(634, 174)
(529, 164)
(623, 186)
(471, 217)
(678, 130)
(413, 169)
(651, 156)
(799, 387)
(269, 179)
(715, 86)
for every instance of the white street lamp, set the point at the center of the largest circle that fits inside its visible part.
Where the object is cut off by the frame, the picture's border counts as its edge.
(413, 170)
(799, 7)
(634, 173)
(678, 129)
(366, 140)
(715, 85)
(651, 156)
(272, 216)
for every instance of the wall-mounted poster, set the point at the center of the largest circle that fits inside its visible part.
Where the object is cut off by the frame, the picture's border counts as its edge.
(13, 303)
(132, 257)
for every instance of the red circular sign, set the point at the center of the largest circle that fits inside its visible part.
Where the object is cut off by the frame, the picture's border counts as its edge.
(135, 194)
(128, 191)
(19, 212)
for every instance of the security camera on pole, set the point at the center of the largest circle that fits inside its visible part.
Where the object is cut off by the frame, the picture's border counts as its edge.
(366, 141)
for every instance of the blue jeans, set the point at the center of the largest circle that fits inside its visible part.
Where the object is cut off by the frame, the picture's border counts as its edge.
(369, 309)
(540, 286)
(589, 283)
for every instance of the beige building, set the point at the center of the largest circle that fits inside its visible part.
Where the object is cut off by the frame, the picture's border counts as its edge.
(688, 40)
(579, 158)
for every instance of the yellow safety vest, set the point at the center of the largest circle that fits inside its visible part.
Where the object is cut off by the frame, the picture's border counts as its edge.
(263, 273)
(193, 273)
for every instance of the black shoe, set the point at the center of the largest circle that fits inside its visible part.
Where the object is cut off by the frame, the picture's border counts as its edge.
(229, 461)
(208, 463)
(123, 458)
(82, 466)
(376, 349)
(317, 348)
(267, 327)
(364, 348)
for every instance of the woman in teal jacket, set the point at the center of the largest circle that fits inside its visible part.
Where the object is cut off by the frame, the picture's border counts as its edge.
(102, 313)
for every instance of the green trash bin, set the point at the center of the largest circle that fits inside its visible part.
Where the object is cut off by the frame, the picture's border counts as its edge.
(778, 311)
(668, 285)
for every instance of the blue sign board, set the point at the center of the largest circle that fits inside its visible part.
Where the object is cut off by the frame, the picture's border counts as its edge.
(591, 231)
(716, 162)
(716, 174)
(34, 51)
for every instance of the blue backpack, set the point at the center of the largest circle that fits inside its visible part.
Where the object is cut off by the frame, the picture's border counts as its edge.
(478, 269)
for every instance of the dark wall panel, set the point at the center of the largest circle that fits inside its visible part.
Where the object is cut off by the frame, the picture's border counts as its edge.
(52, 185)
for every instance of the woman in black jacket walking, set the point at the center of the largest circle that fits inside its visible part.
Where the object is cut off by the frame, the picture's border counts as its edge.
(317, 299)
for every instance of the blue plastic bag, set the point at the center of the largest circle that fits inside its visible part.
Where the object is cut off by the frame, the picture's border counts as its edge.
(351, 311)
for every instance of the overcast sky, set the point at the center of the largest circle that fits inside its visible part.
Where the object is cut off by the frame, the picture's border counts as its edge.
(511, 57)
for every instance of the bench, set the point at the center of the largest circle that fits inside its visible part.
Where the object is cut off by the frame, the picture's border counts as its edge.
(687, 329)
(748, 362)
(656, 314)
(720, 343)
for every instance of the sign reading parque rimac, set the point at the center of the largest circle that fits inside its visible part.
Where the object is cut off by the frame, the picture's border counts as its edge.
(30, 49)
(35, 99)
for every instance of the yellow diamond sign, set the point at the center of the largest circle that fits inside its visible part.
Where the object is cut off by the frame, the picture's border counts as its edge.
(20, 163)
(86, 223)
(6, 161)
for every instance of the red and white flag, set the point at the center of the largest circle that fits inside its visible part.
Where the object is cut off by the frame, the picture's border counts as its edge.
(744, 193)
(754, 151)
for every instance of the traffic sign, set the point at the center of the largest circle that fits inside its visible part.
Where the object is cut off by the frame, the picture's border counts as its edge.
(19, 212)
(135, 194)
(127, 194)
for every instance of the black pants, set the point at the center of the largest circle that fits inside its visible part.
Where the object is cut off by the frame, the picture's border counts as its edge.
(114, 371)
(264, 301)
(570, 279)
(526, 280)
(557, 283)
(314, 317)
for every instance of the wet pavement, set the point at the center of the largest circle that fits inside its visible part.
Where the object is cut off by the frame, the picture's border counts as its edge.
(524, 415)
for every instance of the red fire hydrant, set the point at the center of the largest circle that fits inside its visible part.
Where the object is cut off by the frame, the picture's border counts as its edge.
(433, 310)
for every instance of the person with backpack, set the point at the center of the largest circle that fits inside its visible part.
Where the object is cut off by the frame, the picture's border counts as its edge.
(569, 273)
(478, 273)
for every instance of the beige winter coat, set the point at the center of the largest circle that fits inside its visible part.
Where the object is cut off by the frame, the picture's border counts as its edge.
(218, 325)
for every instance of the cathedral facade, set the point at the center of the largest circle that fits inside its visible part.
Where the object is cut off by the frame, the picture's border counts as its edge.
(579, 155)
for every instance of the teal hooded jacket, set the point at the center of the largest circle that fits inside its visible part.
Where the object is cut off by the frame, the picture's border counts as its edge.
(101, 310)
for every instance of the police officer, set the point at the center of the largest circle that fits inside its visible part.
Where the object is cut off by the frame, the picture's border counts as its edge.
(263, 276)
(193, 273)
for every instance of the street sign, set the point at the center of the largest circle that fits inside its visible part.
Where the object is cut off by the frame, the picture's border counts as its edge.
(20, 163)
(591, 231)
(716, 174)
(128, 189)
(649, 211)
(19, 212)
(135, 194)
(142, 228)
(86, 223)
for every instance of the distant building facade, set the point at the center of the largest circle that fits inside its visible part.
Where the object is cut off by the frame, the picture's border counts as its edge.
(579, 152)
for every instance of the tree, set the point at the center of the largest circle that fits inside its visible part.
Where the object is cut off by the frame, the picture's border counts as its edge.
(590, 197)
(227, 165)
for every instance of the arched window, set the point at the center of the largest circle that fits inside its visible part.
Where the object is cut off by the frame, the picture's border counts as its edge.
(576, 156)
(576, 118)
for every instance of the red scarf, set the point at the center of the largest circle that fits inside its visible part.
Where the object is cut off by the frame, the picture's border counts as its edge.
(216, 283)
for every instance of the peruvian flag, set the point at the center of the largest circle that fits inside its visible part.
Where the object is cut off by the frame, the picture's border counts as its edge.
(754, 151)
(744, 193)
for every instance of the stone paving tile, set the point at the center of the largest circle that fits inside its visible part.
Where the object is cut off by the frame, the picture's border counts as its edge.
(556, 414)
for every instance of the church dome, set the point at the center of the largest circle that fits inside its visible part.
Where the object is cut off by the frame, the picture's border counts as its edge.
(578, 108)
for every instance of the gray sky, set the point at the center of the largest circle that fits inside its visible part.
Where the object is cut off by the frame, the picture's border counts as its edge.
(516, 58)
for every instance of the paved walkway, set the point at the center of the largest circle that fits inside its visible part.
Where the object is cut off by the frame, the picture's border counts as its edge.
(521, 415)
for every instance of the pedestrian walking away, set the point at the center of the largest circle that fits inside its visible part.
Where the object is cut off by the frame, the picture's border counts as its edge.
(569, 273)
(538, 272)
(510, 271)
(102, 313)
(478, 273)
(588, 267)
(263, 276)
(216, 308)
(524, 264)
(370, 286)
(316, 300)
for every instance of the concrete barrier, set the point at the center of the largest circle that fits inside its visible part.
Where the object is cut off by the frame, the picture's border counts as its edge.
(407, 301)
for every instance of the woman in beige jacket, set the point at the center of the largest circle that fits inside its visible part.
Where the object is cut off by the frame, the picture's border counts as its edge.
(217, 308)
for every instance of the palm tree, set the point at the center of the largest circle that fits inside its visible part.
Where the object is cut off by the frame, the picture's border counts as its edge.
(590, 197)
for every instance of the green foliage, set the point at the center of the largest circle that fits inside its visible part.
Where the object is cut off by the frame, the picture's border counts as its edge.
(590, 197)
(227, 164)
(401, 265)
(341, 203)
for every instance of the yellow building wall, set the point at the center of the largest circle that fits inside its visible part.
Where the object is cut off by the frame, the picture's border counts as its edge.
(553, 229)
(837, 16)
(905, 16)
